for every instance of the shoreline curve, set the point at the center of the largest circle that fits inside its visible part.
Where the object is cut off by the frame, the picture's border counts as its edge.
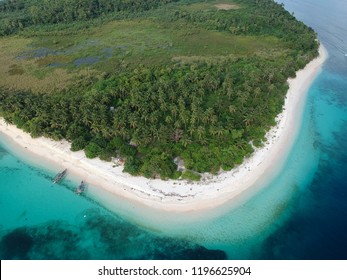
(173, 195)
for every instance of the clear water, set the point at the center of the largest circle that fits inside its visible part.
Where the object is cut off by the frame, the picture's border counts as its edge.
(300, 214)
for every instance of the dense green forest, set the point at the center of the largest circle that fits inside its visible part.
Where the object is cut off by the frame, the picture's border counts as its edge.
(206, 103)
(19, 14)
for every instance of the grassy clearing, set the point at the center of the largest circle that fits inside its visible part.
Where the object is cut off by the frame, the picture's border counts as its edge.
(34, 74)
(48, 62)
(210, 5)
(226, 7)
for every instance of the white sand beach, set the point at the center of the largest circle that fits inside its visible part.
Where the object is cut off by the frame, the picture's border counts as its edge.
(182, 196)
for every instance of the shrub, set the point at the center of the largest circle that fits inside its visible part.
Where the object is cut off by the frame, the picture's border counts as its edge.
(78, 144)
(190, 176)
(92, 150)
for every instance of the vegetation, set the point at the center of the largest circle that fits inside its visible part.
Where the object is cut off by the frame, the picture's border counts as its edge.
(19, 14)
(163, 78)
(190, 176)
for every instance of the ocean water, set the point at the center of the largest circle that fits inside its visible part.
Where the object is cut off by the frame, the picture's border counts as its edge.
(300, 214)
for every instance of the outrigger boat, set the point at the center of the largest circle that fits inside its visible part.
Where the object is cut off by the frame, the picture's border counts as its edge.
(81, 188)
(59, 176)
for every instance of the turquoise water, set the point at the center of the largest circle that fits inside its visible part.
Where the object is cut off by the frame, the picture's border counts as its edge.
(301, 214)
(44, 221)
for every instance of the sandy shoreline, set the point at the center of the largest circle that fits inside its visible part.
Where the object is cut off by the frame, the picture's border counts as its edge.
(181, 196)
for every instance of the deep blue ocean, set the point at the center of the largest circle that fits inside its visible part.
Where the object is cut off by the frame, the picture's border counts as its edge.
(300, 214)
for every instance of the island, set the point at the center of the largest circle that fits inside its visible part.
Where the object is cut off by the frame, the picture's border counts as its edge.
(182, 105)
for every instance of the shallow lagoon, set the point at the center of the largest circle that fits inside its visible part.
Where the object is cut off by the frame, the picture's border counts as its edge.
(299, 215)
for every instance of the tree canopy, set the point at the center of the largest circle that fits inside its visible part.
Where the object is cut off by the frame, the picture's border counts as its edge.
(209, 112)
(18, 14)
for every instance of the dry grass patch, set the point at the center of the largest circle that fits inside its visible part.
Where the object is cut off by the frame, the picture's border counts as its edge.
(19, 80)
(51, 59)
(27, 73)
(226, 6)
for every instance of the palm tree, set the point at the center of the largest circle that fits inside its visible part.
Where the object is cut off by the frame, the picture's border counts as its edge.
(232, 109)
(155, 133)
(220, 131)
(177, 124)
(185, 141)
(271, 88)
(229, 93)
(133, 121)
(257, 91)
(168, 119)
(174, 111)
(213, 119)
(200, 131)
(248, 120)
(242, 97)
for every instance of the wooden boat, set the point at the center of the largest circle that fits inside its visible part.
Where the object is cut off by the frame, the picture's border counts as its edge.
(59, 176)
(81, 188)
